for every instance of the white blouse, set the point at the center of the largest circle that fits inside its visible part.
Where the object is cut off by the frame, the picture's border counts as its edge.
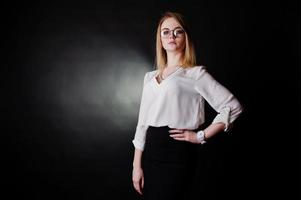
(179, 101)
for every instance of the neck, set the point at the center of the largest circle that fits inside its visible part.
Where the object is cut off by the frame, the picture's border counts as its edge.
(173, 59)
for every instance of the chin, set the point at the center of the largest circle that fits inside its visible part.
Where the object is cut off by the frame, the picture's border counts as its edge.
(172, 49)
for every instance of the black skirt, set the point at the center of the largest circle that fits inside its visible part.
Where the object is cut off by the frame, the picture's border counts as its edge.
(168, 165)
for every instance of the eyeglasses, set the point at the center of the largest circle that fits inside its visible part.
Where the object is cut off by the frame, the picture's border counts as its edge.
(177, 32)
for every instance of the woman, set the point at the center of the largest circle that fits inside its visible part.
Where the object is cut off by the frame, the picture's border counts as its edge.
(172, 111)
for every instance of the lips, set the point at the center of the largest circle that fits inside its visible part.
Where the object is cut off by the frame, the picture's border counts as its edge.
(172, 42)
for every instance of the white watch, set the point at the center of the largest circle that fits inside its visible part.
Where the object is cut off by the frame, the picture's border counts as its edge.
(200, 135)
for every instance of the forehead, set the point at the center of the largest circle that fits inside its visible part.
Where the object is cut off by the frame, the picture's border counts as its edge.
(170, 23)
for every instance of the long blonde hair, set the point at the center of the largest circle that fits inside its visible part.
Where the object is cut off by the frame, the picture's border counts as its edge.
(188, 59)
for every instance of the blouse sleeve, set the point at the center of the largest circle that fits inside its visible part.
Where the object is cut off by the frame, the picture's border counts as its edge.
(140, 133)
(218, 97)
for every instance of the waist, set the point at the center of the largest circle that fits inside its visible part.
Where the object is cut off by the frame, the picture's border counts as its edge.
(166, 127)
(158, 139)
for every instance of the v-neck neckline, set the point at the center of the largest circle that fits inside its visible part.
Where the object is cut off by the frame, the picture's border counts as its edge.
(168, 77)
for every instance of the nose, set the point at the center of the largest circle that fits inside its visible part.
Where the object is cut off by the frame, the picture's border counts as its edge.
(171, 35)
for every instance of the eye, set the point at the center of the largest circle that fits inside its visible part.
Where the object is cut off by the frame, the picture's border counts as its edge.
(179, 31)
(165, 32)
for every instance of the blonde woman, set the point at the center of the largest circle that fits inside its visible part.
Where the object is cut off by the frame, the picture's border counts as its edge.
(172, 112)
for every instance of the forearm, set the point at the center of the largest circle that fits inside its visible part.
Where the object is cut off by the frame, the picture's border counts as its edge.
(213, 129)
(137, 158)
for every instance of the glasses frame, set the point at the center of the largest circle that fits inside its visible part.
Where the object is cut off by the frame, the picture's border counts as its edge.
(173, 32)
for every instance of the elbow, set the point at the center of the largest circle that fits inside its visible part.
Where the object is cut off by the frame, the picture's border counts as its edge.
(138, 145)
(236, 112)
(240, 108)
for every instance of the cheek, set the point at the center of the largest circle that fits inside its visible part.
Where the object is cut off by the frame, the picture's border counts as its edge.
(182, 41)
(181, 44)
(164, 42)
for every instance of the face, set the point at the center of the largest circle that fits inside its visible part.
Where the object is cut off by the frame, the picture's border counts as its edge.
(172, 35)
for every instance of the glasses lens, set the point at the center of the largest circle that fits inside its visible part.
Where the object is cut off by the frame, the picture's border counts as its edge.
(165, 33)
(179, 32)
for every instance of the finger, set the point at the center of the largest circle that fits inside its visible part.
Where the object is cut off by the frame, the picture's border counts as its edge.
(177, 135)
(182, 139)
(176, 131)
(137, 187)
(142, 185)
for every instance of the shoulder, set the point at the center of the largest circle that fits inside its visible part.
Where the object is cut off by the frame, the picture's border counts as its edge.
(195, 72)
(149, 75)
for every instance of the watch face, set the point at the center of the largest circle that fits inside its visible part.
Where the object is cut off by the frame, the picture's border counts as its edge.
(200, 135)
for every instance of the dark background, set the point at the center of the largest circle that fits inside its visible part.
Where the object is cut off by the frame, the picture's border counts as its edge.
(73, 79)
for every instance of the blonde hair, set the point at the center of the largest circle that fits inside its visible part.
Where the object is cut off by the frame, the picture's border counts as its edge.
(188, 58)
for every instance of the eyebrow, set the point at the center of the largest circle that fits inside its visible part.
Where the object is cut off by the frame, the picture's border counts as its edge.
(174, 28)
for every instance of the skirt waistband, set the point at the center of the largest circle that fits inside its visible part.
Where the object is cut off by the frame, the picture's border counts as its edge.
(166, 127)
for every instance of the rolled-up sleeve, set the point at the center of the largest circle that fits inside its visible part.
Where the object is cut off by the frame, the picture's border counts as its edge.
(139, 139)
(219, 98)
(140, 133)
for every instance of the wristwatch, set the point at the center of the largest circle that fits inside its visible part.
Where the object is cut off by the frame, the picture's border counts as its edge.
(200, 135)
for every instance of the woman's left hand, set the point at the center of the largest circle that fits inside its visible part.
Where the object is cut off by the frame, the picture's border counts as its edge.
(184, 135)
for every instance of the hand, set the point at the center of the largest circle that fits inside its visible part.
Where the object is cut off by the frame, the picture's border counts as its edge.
(138, 179)
(184, 135)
